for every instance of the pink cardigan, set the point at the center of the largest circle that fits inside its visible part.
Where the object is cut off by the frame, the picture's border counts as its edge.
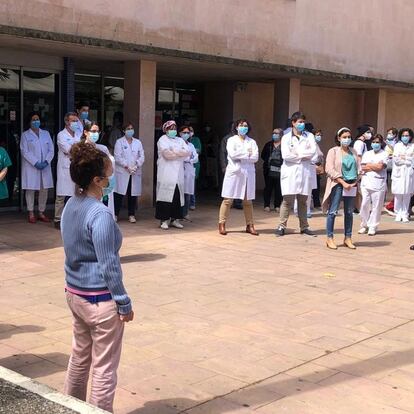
(333, 168)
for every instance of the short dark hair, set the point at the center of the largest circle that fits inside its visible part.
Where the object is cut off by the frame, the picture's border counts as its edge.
(81, 104)
(317, 131)
(30, 115)
(241, 121)
(87, 128)
(183, 127)
(87, 162)
(297, 115)
(126, 125)
(410, 132)
(393, 130)
(380, 138)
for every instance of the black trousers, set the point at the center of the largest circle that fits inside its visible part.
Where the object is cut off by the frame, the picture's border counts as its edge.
(316, 193)
(272, 185)
(132, 200)
(165, 210)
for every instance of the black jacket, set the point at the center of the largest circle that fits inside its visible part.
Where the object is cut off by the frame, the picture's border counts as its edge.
(266, 152)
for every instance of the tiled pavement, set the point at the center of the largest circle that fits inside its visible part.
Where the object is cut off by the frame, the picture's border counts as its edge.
(234, 324)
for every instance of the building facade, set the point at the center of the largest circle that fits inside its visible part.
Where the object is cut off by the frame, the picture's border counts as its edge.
(206, 63)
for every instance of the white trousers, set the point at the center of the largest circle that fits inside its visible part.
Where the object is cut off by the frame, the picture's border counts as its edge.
(30, 199)
(371, 207)
(402, 204)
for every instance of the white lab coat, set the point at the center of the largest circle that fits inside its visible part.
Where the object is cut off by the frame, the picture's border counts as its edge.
(128, 156)
(402, 170)
(297, 171)
(240, 177)
(189, 170)
(170, 168)
(36, 149)
(65, 186)
(372, 180)
(360, 147)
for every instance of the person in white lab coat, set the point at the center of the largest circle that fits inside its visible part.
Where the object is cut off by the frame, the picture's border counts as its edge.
(240, 176)
(91, 135)
(36, 147)
(373, 185)
(65, 187)
(172, 151)
(129, 159)
(403, 174)
(189, 171)
(298, 150)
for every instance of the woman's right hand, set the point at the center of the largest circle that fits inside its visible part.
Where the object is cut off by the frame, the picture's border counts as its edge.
(347, 186)
(128, 317)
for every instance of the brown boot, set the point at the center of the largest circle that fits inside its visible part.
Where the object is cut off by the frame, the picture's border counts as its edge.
(348, 243)
(222, 229)
(330, 244)
(250, 229)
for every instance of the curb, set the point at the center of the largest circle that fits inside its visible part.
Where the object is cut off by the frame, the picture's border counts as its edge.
(48, 393)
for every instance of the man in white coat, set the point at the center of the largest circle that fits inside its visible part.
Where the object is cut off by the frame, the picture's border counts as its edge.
(36, 147)
(65, 187)
(129, 159)
(298, 149)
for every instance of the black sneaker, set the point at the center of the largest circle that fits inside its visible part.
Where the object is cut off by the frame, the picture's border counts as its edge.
(57, 225)
(308, 232)
(279, 232)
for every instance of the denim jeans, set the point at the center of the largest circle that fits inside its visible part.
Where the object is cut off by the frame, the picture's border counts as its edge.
(187, 203)
(192, 200)
(335, 201)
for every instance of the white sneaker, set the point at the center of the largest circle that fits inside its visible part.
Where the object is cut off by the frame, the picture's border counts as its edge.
(132, 219)
(116, 219)
(405, 220)
(372, 231)
(267, 209)
(177, 224)
(398, 217)
(192, 208)
(277, 209)
(164, 225)
(362, 230)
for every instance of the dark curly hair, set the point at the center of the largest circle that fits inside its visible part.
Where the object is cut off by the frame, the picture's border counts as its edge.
(87, 162)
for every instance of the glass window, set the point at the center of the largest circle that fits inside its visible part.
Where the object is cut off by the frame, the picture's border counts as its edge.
(89, 88)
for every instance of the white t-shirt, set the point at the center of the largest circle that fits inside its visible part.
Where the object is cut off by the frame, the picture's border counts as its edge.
(360, 147)
(373, 180)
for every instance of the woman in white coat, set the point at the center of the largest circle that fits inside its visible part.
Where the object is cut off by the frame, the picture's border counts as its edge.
(37, 151)
(129, 158)
(189, 171)
(240, 176)
(403, 174)
(91, 134)
(172, 151)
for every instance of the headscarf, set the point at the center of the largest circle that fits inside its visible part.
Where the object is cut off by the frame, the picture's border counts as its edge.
(167, 125)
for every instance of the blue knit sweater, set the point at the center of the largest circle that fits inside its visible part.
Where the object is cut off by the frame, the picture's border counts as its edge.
(92, 240)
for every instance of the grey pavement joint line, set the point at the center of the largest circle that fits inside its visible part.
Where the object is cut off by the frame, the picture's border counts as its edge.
(296, 366)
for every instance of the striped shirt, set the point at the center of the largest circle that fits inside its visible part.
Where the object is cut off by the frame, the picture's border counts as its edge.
(91, 240)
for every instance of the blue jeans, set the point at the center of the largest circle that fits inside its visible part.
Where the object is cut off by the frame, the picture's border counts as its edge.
(187, 203)
(335, 201)
(192, 200)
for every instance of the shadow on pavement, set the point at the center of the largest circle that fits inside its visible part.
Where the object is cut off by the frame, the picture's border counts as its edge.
(145, 257)
(9, 330)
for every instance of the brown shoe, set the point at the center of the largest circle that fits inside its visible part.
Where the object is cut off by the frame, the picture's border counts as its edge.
(222, 229)
(348, 243)
(32, 218)
(44, 218)
(330, 244)
(250, 229)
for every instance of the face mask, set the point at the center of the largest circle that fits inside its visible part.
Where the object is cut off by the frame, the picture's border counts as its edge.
(390, 137)
(300, 126)
(74, 126)
(171, 133)
(405, 139)
(94, 136)
(275, 137)
(345, 142)
(376, 146)
(368, 135)
(36, 123)
(207, 129)
(185, 136)
(242, 130)
(318, 138)
(84, 115)
(110, 187)
(129, 133)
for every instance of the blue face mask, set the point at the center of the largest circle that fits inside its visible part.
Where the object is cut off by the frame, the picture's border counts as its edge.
(318, 138)
(243, 130)
(110, 187)
(129, 133)
(300, 126)
(35, 123)
(171, 133)
(405, 139)
(275, 137)
(376, 146)
(94, 136)
(74, 126)
(84, 115)
(346, 142)
(185, 136)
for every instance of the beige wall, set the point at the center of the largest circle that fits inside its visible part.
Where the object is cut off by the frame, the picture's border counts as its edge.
(368, 38)
(399, 110)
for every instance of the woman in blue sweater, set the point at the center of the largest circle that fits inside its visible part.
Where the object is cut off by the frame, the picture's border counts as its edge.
(94, 290)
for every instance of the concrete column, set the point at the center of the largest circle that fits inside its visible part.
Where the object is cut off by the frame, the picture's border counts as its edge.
(139, 108)
(375, 103)
(286, 100)
(68, 85)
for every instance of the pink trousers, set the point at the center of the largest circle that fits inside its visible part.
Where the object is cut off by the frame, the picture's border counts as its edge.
(97, 343)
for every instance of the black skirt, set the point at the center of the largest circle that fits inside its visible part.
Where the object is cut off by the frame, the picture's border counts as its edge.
(165, 210)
